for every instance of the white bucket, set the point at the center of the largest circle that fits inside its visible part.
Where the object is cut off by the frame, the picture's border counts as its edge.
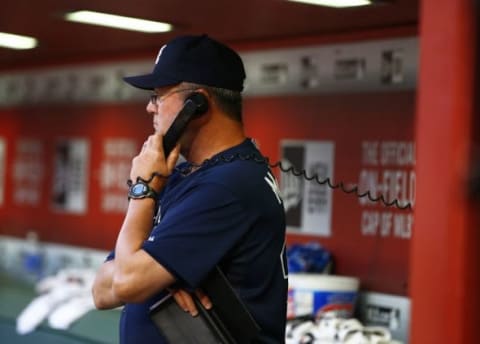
(316, 295)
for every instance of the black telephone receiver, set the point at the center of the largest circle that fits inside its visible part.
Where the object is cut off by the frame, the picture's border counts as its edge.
(195, 104)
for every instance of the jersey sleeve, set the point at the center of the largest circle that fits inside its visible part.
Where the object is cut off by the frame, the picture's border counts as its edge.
(196, 233)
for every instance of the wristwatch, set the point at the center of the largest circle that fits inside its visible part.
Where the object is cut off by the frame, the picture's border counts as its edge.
(141, 190)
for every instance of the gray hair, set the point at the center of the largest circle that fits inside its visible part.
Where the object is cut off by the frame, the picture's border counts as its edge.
(228, 101)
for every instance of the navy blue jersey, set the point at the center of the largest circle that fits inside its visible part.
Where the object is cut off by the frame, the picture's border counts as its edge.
(227, 213)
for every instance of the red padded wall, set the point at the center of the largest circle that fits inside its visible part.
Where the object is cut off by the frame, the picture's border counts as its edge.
(347, 120)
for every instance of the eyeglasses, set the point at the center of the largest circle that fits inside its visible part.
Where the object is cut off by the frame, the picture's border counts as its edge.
(156, 99)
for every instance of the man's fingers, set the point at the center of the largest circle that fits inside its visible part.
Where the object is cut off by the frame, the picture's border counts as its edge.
(192, 309)
(204, 299)
(155, 141)
(185, 301)
(173, 157)
(179, 300)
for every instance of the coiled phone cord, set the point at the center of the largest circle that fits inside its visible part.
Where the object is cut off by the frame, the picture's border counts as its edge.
(226, 158)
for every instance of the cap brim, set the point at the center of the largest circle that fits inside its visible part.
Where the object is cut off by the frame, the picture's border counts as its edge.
(150, 81)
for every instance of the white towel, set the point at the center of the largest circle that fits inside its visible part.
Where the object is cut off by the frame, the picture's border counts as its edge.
(66, 313)
(66, 297)
(40, 307)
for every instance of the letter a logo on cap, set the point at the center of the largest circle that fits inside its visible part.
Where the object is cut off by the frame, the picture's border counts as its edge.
(159, 53)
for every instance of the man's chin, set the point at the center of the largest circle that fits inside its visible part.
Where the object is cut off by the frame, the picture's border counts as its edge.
(159, 131)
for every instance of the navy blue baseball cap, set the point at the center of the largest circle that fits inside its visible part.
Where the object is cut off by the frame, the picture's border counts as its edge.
(196, 59)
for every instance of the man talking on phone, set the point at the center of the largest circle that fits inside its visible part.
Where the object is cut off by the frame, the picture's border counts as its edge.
(221, 207)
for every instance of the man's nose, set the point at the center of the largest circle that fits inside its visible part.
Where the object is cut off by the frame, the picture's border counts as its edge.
(151, 108)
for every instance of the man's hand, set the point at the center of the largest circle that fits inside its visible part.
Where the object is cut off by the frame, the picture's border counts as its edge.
(152, 159)
(185, 300)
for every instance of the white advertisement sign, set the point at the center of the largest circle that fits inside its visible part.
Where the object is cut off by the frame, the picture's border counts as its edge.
(388, 170)
(308, 204)
(70, 178)
(28, 171)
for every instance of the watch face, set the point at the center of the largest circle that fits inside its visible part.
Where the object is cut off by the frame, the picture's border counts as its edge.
(139, 189)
